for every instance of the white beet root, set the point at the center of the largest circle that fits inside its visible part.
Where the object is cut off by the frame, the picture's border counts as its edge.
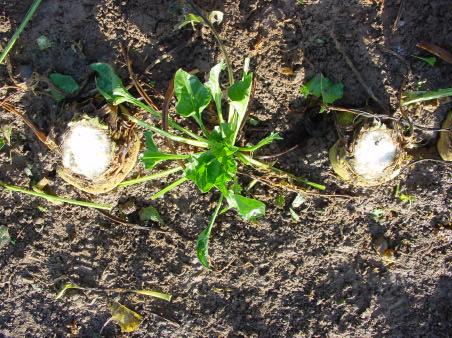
(374, 151)
(87, 149)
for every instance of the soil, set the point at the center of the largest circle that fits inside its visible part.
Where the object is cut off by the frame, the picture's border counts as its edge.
(316, 277)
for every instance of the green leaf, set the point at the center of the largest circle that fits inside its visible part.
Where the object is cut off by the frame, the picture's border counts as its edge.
(5, 238)
(66, 287)
(320, 86)
(208, 171)
(152, 155)
(109, 84)
(202, 243)
(239, 95)
(2, 143)
(214, 86)
(150, 214)
(189, 18)
(269, 139)
(248, 208)
(378, 215)
(192, 96)
(43, 42)
(280, 201)
(430, 60)
(66, 85)
(128, 320)
(156, 294)
(411, 97)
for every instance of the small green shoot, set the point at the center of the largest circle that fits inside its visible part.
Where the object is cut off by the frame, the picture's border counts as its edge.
(150, 214)
(2, 143)
(5, 238)
(322, 87)
(215, 163)
(31, 11)
(378, 215)
(280, 201)
(405, 198)
(429, 60)
(189, 19)
(65, 85)
(43, 42)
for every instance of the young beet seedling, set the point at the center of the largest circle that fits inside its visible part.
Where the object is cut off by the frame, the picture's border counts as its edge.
(216, 165)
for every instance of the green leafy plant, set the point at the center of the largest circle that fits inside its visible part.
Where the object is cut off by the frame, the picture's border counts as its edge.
(215, 163)
(410, 97)
(402, 196)
(2, 143)
(322, 87)
(64, 85)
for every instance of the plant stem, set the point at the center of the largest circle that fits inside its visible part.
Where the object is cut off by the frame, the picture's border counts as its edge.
(169, 187)
(217, 37)
(53, 198)
(12, 41)
(248, 160)
(150, 177)
(203, 238)
(197, 143)
(202, 126)
(171, 122)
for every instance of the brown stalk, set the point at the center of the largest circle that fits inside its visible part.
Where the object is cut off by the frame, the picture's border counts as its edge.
(46, 140)
(165, 111)
(135, 80)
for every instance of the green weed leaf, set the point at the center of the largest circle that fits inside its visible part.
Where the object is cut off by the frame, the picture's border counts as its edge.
(429, 60)
(208, 171)
(248, 208)
(202, 246)
(109, 84)
(324, 88)
(66, 287)
(66, 85)
(128, 320)
(152, 155)
(192, 96)
(189, 18)
(214, 85)
(411, 97)
(269, 139)
(239, 95)
(202, 243)
(280, 201)
(2, 143)
(150, 214)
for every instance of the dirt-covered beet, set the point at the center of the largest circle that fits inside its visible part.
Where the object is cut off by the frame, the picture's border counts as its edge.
(319, 276)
